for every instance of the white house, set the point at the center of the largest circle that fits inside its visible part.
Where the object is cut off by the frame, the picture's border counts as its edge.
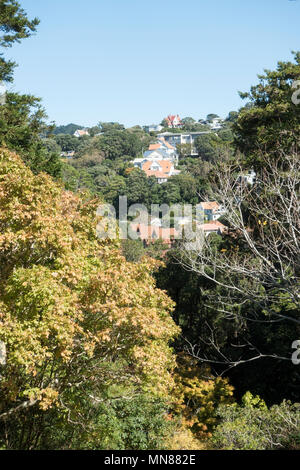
(182, 138)
(212, 210)
(81, 132)
(216, 123)
(212, 227)
(153, 128)
(162, 170)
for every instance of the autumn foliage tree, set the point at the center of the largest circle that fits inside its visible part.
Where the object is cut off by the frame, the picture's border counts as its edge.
(197, 396)
(81, 326)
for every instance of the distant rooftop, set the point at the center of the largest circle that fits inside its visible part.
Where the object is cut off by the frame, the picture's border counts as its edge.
(185, 133)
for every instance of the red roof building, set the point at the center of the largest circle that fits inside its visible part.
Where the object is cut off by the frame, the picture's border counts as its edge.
(151, 233)
(161, 169)
(173, 121)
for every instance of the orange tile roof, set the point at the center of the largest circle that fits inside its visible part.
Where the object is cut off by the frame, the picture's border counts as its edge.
(213, 226)
(165, 142)
(161, 142)
(210, 205)
(154, 146)
(166, 166)
(151, 233)
(82, 131)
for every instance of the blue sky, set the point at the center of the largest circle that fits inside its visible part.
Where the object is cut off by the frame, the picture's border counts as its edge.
(135, 61)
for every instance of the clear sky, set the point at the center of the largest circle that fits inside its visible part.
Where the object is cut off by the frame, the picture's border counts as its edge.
(135, 61)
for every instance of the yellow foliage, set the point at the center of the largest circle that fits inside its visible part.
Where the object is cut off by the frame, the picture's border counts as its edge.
(72, 310)
(198, 394)
(184, 439)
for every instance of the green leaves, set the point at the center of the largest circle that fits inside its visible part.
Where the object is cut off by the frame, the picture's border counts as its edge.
(75, 317)
(270, 121)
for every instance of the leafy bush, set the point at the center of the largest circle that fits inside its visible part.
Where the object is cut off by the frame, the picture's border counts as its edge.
(253, 426)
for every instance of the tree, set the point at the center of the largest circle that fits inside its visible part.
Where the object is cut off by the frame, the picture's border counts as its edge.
(14, 26)
(188, 120)
(188, 123)
(137, 189)
(253, 426)
(232, 116)
(68, 129)
(211, 116)
(255, 269)
(198, 395)
(272, 118)
(110, 126)
(75, 317)
(22, 119)
(208, 147)
(51, 146)
(133, 250)
(67, 142)
(117, 143)
(184, 150)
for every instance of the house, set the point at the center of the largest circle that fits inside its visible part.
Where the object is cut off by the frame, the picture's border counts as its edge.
(151, 233)
(161, 149)
(212, 210)
(173, 121)
(138, 162)
(158, 151)
(180, 138)
(248, 178)
(213, 227)
(81, 132)
(162, 170)
(153, 128)
(69, 154)
(216, 123)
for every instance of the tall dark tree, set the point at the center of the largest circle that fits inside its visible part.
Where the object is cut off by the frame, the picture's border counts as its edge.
(270, 121)
(14, 26)
(22, 118)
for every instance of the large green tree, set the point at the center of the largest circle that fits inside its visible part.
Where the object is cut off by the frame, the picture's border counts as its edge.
(81, 326)
(22, 118)
(270, 121)
(14, 26)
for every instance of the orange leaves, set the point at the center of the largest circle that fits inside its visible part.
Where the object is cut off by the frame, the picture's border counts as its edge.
(70, 304)
(197, 396)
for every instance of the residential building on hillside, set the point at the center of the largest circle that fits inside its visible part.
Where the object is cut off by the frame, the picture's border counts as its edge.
(248, 178)
(160, 150)
(183, 138)
(213, 227)
(216, 123)
(212, 210)
(70, 154)
(153, 128)
(81, 132)
(162, 170)
(173, 121)
(163, 148)
(151, 233)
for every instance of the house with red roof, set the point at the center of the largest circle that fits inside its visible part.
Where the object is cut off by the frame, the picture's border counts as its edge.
(162, 170)
(213, 227)
(173, 121)
(160, 150)
(212, 210)
(151, 233)
(81, 132)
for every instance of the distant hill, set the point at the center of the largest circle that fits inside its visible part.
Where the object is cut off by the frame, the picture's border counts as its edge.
(68, 129)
